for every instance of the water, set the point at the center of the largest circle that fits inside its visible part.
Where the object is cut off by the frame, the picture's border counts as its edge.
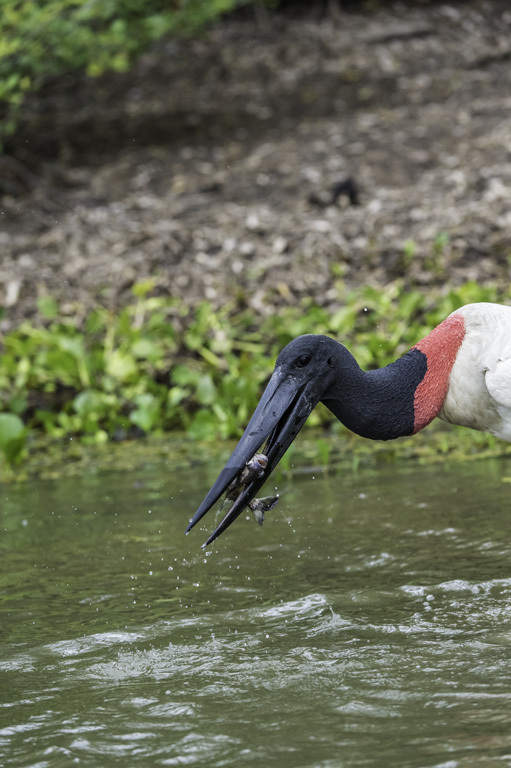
(368, 623)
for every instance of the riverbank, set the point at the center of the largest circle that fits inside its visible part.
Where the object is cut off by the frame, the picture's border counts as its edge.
(211, 168)
(340, 174)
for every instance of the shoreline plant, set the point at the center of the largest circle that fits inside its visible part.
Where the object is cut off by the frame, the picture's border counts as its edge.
(157, 366)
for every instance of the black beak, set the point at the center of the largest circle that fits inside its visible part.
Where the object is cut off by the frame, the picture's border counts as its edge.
(281, 413)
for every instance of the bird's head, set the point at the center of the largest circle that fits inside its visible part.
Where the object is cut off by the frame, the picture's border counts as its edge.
(304, 374)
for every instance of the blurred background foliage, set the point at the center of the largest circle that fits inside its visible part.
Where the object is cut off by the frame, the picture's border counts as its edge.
(157, 366)
(42, 40)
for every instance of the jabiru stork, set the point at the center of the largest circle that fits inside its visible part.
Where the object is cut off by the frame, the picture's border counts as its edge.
(461, 372)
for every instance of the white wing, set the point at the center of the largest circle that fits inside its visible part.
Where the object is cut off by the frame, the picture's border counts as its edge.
(479, 393)
(498, 382)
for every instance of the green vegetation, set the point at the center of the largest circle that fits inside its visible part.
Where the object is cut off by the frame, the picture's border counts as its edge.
(42, 40)
(157, 366)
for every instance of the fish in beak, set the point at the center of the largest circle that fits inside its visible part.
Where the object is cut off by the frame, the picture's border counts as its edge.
(282, 411)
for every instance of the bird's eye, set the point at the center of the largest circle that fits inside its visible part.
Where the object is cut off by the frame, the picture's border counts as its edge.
(330, 362)
(303, 360)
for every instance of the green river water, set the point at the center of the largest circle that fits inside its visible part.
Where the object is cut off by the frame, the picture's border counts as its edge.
(367, 623)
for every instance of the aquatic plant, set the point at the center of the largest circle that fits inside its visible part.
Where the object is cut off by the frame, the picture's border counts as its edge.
(158, 366)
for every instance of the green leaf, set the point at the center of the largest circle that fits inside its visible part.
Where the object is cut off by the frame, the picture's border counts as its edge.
(47, 307)
(145, 349)
(121, 366)
(12, 436)
(71, 344)
(147, 413)
(176, 395)
(184, 376)
(143, 287)
(206, 390)
(323, 447)
(93, 403)
(204, 426)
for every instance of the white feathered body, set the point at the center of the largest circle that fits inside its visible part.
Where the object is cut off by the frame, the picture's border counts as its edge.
(479, 392)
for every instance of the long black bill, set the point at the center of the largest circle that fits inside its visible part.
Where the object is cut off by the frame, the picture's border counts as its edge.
(281, 413)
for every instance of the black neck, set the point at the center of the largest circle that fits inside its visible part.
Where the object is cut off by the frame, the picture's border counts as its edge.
(376, 404)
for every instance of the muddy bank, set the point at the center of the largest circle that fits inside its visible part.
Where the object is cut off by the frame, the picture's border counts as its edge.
(211, 167)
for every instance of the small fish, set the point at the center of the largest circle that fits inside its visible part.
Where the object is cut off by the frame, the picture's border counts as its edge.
(260, 506)
(253, 470)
